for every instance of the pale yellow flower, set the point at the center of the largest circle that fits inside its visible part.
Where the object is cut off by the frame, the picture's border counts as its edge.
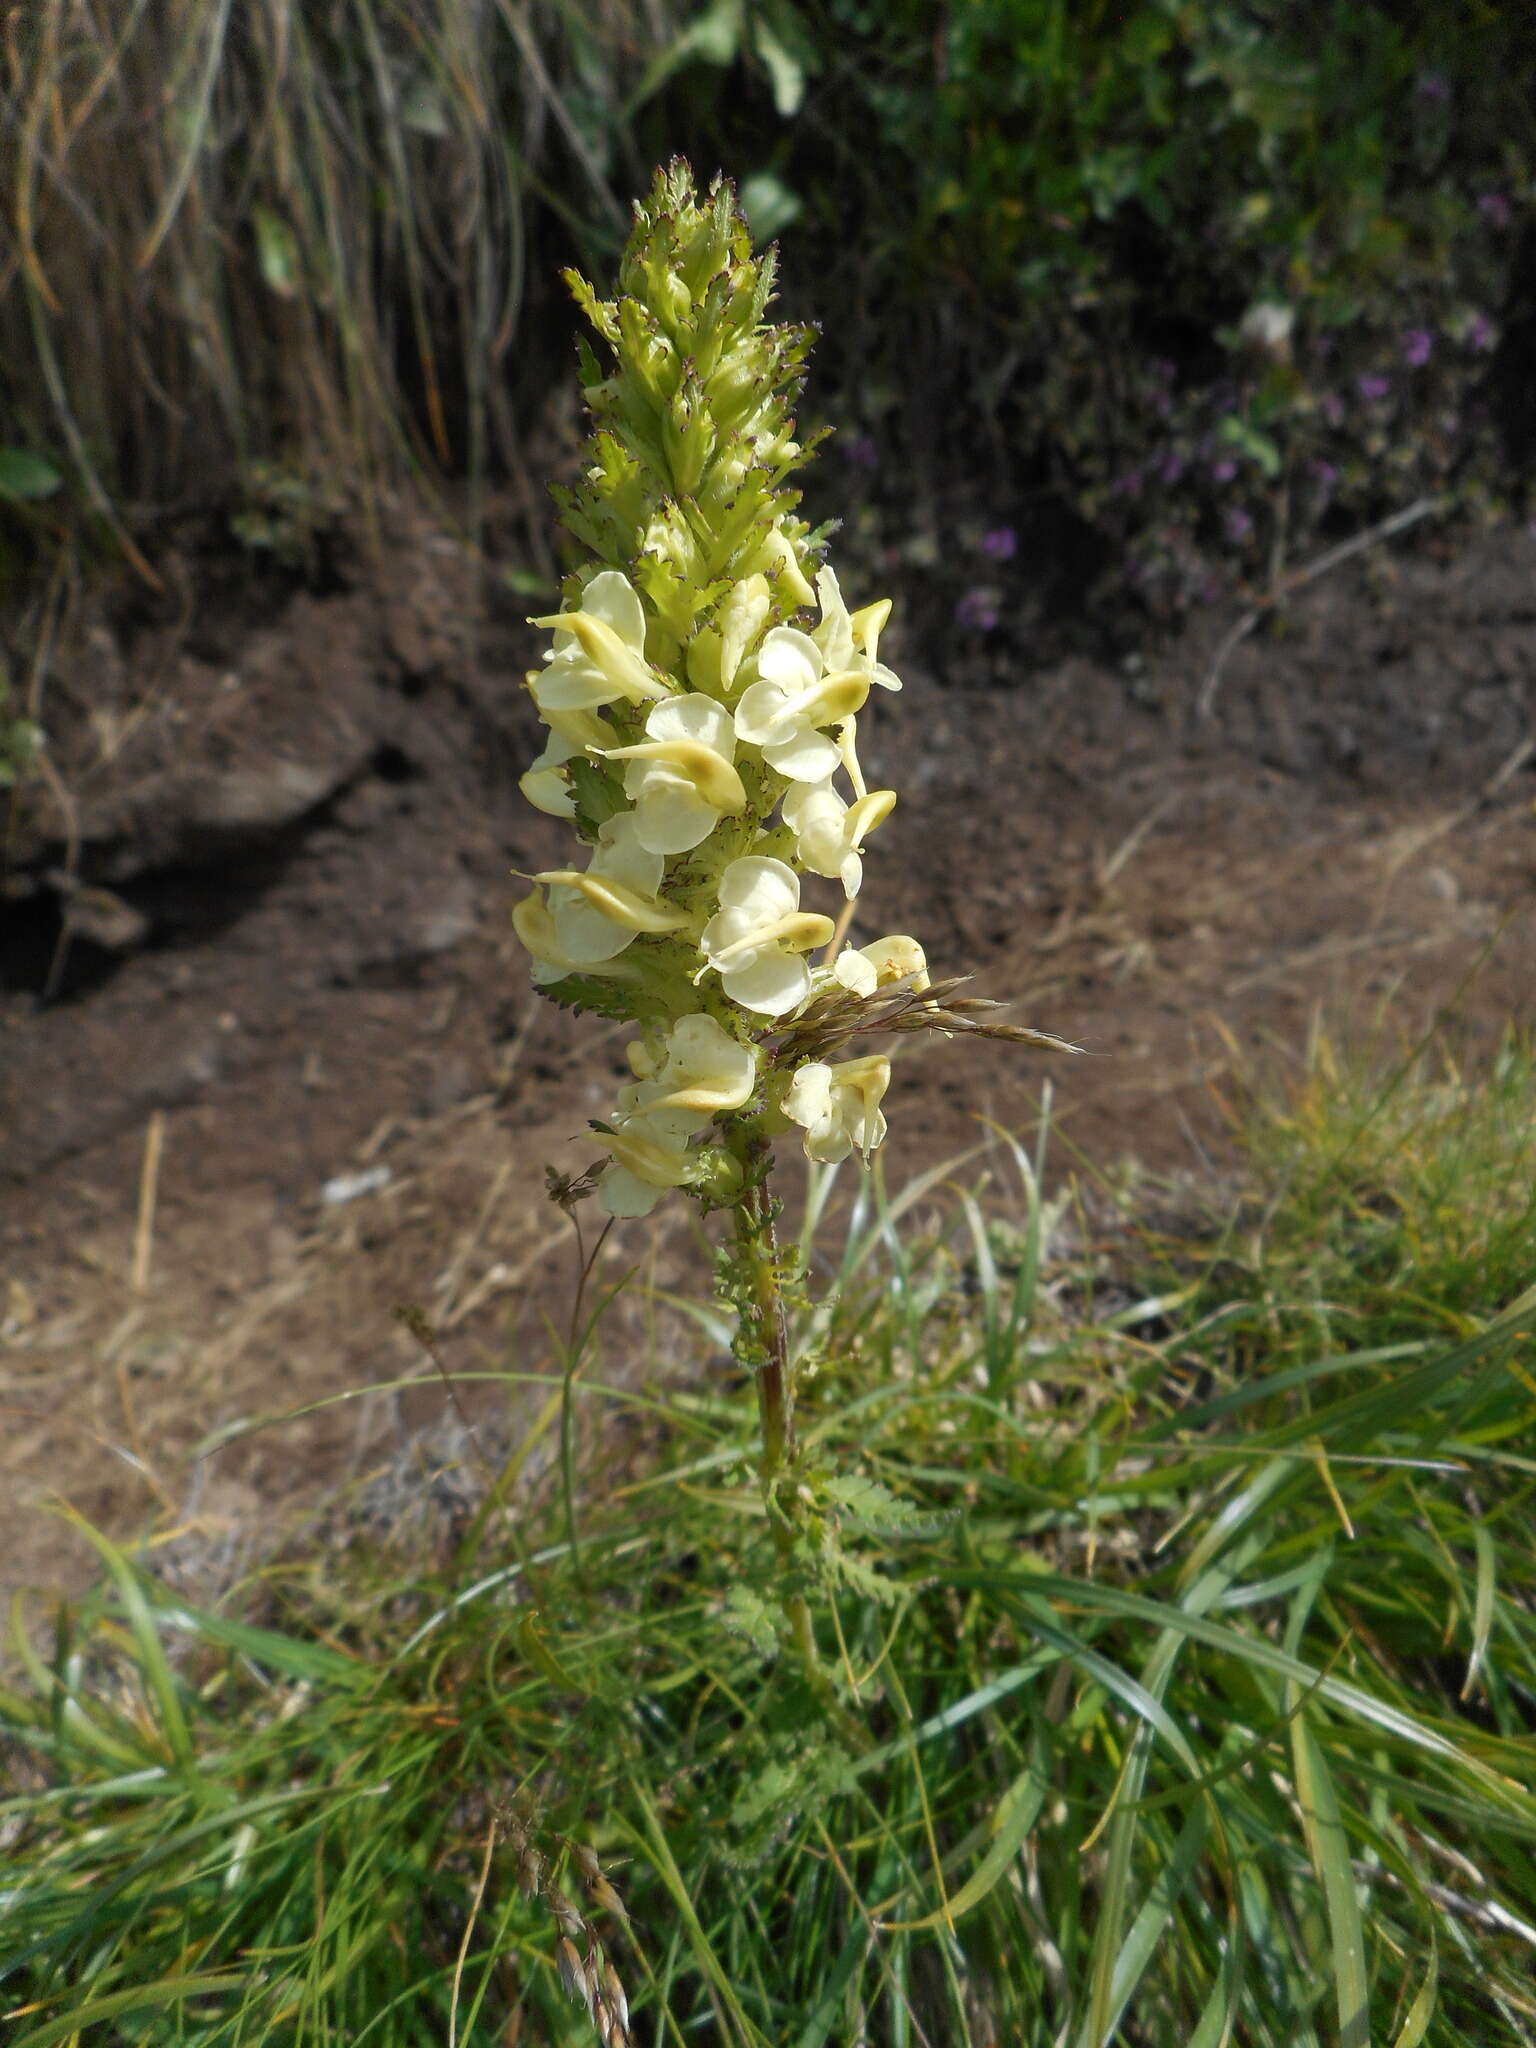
(571, 733)
(535, 926)
(704, 1070)
(794, 697)
(756, 938)
(778, 560)
(600, 910)
(701, 1073)
(867, 968)
(742, 618)
(852, 640)
(681, 777)
(839, 1106)
(829, 833)
(649, 1154)
(599, 651)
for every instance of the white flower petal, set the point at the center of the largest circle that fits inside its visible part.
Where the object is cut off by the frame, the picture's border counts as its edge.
(771, 983)
(808, 757)
(696, 718)
(740, 621)
(834, 636)
(768, 888)
(670, 815)
(706, 1069)
(548, 791)
(896, 957)
(622, 856)
(789, 658)
(585, 934)
(839, 1106)
(764, 713)
(611, 597)
(572, 683)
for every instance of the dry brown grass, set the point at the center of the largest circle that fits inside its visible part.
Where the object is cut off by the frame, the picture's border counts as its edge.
(289, 230)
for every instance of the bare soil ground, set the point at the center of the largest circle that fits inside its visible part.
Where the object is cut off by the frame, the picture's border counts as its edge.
(265, 894)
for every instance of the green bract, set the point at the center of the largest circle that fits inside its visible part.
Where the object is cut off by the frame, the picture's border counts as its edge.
(702, 691)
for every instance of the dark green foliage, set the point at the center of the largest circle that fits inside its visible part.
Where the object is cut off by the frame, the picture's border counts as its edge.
(1043, 238)
(1032, 232)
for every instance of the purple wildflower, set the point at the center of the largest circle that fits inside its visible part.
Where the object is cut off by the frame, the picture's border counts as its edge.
(1223, 472)
(1171, 468)
(1325, 473)
(1479, 334)
(1495, 209)
(1002, 543)
(1371, 387)
(1418, 347)
(978, 610)
(1433, 86)
(1331, 406)
(1238, 526)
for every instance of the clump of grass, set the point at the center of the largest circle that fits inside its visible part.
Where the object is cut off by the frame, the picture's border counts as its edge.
(1185, 1670)
(291, 234)
(1396, 1186)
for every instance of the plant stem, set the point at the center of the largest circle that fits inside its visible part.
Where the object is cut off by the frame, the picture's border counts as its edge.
(775, 1372)
(762, 1346)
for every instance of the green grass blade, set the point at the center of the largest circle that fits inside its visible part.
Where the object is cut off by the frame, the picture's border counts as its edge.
(1328, 1845)
(116, 2004)
(1418, 2016)
(151, 1653)
(1150, 1926)
(1008, 1823)
(1482, 1607)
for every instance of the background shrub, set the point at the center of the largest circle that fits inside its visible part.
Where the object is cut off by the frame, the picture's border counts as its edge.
(1157, 298)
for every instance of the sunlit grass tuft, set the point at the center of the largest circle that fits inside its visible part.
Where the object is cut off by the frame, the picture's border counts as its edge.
(1186, 1641)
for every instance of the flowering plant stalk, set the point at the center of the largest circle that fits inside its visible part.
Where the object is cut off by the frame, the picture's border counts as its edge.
(702, 692)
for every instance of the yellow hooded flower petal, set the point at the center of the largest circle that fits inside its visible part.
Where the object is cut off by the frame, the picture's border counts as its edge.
(839, 1106)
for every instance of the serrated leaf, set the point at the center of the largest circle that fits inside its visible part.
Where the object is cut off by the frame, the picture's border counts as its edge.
(847, 1570)
(748, 1614)
(598, 796)
(866, 1505)
(601, 998)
